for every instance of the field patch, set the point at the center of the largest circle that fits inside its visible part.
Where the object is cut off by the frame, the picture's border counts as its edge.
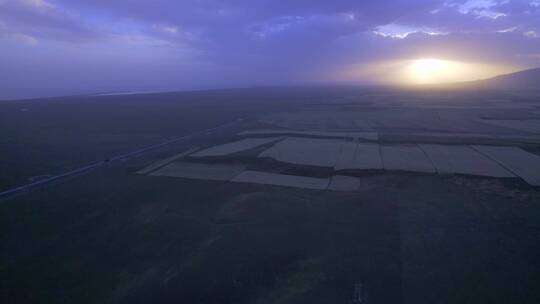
(346, 156)
(308, 158)
(406, 158)
(463, 160)
(359, 156)
(223, 172)
(524, 164)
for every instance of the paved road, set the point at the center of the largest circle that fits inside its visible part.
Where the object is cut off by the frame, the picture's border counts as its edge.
(100, 163)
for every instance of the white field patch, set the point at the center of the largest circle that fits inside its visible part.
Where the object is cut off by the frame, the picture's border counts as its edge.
(367, 156)
(344, 183)
(346, 155)
(305, 151)
(266, 178)
(234, 147)
(524, 125)
(222, 172)
(406, 158)
(359, 156)
(522, 163)
(361, 135)
(463, 160)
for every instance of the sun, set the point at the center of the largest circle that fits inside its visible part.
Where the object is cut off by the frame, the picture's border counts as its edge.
(431, 71)
(426, 70)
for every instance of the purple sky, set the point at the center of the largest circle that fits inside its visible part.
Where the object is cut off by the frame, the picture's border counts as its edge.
(71, 46)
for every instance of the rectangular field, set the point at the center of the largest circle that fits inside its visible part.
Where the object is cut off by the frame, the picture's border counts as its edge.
(359, 156)
(463, 160)
(406, 158)
(524, 164)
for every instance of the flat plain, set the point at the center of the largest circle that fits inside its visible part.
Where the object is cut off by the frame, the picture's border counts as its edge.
(436, 205)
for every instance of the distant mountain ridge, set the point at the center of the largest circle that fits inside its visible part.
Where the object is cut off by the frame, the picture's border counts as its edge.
(523, 80)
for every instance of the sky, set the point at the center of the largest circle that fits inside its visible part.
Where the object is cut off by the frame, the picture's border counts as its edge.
(60, 47)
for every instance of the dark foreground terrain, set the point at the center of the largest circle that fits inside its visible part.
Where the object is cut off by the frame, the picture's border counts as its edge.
(113, 236)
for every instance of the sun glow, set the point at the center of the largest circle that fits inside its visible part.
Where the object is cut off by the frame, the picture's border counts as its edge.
(425, 71)
(430, 71)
